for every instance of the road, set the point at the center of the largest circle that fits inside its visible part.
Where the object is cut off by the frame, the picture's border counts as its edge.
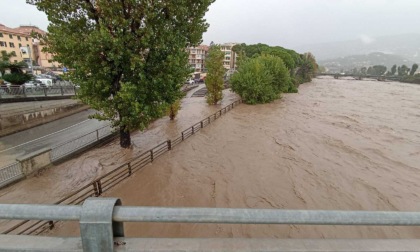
(46, 135)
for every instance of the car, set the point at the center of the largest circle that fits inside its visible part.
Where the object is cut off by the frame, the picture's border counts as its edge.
(190, 82)
(45, 81)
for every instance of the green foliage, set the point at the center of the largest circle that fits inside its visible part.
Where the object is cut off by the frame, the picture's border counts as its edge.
(129, 55)
(377, 70)
(393, 69)
(261, 79)
(403, 70)
(17, 78)
(413, 69)
(215, 73)
(301, 67)
(16, 75)
(172, 110)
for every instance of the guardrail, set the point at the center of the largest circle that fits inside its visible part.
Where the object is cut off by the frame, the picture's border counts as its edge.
(101, 228)
(10, 173)
(9, 92)
(112, 178)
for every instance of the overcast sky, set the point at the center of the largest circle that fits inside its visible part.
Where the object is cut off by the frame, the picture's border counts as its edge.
(287, 23)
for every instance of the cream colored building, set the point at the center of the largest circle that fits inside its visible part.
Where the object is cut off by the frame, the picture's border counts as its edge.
(230, 56)
(197, 57)
(12, 39)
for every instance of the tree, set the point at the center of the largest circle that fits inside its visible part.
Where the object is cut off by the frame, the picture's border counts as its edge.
(261, 79)
(129, 56)
(16, 75)
(363, 70)
(215, 73)
(413, 69)
(393, 69)
(403, 70)
(173, 109)
(377, 70)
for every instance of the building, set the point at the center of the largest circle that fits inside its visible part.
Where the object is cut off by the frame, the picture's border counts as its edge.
(197, 57)
(12, 39)
(230, 56)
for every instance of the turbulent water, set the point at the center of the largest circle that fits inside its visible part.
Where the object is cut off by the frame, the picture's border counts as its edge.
(338, 144)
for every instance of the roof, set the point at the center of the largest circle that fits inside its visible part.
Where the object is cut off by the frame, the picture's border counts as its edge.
(24, 30)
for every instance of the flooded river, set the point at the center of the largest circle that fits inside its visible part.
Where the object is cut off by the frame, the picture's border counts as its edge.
(336, 145)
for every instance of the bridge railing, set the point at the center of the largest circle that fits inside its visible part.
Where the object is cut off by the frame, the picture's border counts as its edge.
(101, 228)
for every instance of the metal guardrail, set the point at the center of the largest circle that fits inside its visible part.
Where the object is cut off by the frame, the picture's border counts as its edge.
(114, 177)
(8, 92)
(69, 147)
(101, 228)
(10, 173)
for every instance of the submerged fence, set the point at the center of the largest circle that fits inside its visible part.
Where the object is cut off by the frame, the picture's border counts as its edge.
(112, 178)
(101, 228)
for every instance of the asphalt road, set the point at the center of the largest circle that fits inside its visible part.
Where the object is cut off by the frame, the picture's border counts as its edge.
(46, 136)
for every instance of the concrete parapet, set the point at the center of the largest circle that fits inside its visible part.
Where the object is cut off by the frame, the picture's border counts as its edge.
(35, 161)
(13, 123)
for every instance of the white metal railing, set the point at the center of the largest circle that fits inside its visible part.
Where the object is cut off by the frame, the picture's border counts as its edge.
(101, 228)
(10, 173)
(22, 91)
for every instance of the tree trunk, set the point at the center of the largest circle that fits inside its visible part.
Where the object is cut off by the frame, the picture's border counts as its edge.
(172, 112)
(125, 139)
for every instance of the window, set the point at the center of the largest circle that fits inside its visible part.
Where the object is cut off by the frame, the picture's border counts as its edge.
(1, 35)
(20, 45)
(18, 38)
(15, 61)
(3, 44)
(10, 36)
(12, 45)
(26, 38)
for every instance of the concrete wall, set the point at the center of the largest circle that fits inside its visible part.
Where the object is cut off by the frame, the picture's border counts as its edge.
(15, 123)
(35, 161)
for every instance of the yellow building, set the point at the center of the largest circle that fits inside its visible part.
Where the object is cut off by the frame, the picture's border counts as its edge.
(14, 39)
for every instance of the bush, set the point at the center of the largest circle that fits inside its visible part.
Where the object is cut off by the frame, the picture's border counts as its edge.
(261, 79)
(17, 78)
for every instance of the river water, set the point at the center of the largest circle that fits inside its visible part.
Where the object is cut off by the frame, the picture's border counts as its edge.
(336, 145)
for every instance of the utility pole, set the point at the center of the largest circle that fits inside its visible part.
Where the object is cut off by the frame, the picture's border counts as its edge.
(30, 60)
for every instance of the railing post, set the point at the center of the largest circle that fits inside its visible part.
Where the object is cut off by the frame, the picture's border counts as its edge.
(96, 226)
(201, 124)
(97, 134)
(74, 88)
(192, 130)
(129, 169)
(62, 91)
(182, 134)
(95, 188)
(151, 155)
(209, 119)
(99, 186)
(24, 90)
(169, 145)
(45, 91)
(51, 224)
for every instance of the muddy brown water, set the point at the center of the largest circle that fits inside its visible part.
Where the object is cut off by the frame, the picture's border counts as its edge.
(337, 145)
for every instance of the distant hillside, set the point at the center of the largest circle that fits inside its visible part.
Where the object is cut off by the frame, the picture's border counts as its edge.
(358, 61)
(407, 46)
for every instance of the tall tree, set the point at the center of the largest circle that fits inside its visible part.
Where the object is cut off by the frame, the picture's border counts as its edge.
(403, 70)
(393, 69)
(215, 73)
(129, 55)
(414, 69)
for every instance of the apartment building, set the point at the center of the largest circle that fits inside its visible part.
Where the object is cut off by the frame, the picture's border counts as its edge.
(12, 39)
(230, 56)
(197, 57)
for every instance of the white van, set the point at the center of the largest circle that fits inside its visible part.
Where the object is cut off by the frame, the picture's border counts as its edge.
(46, 82)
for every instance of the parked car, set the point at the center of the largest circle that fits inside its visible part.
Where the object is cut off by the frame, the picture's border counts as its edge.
(190, 82)
(45, 81)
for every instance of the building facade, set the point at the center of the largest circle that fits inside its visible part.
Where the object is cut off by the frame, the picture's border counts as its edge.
(197, 57)
(229, 62)
(13, 39)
